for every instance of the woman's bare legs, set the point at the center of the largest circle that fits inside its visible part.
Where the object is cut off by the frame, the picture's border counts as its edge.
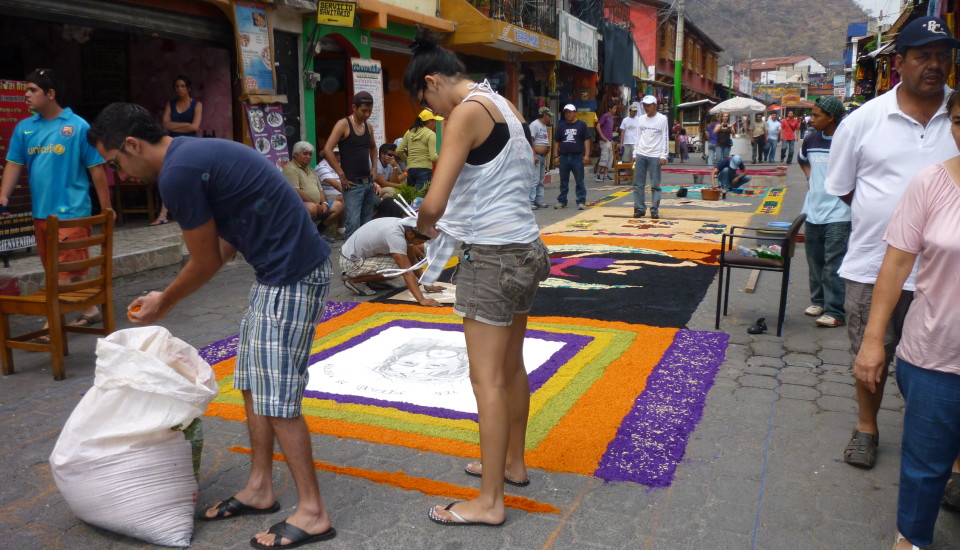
(503, 401)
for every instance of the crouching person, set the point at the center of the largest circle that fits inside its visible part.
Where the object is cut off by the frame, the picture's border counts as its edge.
(323, 211)
(384, 243)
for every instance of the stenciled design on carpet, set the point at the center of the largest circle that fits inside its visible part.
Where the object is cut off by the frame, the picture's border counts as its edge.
(685, 225)
(610, 399)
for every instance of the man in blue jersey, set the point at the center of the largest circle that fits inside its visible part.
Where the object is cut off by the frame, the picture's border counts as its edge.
(228, 198)
(60, 164)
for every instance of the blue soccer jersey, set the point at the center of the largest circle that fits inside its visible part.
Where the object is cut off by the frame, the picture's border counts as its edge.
(57, 156)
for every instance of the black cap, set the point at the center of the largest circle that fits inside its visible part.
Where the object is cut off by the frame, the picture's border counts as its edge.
(925, 30)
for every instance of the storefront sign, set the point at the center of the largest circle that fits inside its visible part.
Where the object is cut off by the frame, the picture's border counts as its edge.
(266, 132)
(777, 92)
(337, 14)
(253, 35)
(840, 86)
(528, 39)
(578, 42)
(16, 229)
(820, 88)
(368, 77)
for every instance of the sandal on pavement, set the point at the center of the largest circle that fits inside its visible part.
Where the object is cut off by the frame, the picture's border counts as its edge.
(159, 221)
(87, 320)
(896, 543)
(759, 327)
(861, 451)
(236, 509)
(506, 480)
(296, 536)
(459, 519)
(951, 494)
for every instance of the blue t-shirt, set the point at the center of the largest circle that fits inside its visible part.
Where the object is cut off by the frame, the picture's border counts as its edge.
(820, 206)
(731, 164)
(256, 210)
(570, 136)
(57, 156)
(773, 127)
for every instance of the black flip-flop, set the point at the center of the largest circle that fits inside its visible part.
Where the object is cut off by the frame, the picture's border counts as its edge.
(236, 509)
(506, 480)
(460, 521)
(296, 536)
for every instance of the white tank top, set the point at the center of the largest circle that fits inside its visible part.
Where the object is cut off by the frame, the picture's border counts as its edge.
(490, 203)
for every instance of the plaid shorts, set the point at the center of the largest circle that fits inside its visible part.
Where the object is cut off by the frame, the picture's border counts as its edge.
(366, 266)
(276, 334)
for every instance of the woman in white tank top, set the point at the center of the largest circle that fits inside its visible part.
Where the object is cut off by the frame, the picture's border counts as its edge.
(479, 196)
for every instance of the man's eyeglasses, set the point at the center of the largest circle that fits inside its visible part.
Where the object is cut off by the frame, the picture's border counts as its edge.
(113, 163)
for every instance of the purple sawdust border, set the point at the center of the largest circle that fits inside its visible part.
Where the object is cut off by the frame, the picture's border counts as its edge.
(653, 436)
(227, 348)
(572, 345)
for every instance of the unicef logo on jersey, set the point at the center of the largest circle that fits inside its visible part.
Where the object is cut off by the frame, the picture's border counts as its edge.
(66, 131)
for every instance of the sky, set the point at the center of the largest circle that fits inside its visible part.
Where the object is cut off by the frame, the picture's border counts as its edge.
(891, 8)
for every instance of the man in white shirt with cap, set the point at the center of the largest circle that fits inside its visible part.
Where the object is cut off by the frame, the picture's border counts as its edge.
(876, 151)
(651, 149)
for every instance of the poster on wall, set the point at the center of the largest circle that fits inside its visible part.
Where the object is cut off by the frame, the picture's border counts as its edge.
(368, 77)
(253, 35)
(16, 228)
(266, 132)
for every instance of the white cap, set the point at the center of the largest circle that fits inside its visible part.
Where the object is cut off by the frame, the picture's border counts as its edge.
(634, 106)
(649, 100)
(569, 107)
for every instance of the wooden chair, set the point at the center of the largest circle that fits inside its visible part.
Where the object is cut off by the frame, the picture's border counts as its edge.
(623, 171)
(59, 298)
(731, 258)
(149, 205)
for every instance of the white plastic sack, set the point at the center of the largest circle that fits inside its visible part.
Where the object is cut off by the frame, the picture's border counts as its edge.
(118, 463)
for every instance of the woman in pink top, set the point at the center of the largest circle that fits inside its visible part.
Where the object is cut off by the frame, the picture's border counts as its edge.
(924, 227)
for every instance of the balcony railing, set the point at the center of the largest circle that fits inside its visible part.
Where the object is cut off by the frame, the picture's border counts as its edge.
(536, 15)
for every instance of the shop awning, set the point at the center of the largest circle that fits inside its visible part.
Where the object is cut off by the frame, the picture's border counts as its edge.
(482, 36)
(374, 15)
(882, 50)
(695, 103)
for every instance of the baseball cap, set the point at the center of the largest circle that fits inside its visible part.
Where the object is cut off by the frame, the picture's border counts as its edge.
(924, 30)
(569, 107)
(634, 106)
(735, 160)
(427, 115)
(830, 104)
(649, 100)
(544, 111)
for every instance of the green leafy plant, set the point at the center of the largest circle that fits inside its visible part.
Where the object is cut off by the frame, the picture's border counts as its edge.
(410, 193)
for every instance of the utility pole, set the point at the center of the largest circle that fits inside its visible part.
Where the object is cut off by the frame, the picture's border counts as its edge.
(678, 62)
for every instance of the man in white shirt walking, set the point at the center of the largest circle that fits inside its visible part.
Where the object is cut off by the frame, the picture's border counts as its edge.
(876, 151)
(651, 149)
(628, 132)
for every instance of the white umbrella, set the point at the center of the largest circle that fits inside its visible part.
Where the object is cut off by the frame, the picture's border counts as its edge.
(738, 106)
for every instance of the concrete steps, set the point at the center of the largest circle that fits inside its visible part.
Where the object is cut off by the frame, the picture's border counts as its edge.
(135, 249)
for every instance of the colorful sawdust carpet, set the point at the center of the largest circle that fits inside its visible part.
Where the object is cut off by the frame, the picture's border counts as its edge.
(610, 399)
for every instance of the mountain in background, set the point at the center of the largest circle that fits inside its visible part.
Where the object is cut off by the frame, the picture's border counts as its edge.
(750, 29)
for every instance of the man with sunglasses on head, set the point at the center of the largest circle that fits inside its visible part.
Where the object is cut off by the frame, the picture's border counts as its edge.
(227, 197)
(60, 164)
(384, 243)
